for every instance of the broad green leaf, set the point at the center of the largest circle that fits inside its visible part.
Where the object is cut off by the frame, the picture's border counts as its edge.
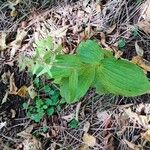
(121, 77)
(90, 52)
(64, 65)
(73, 84)
(84, 82)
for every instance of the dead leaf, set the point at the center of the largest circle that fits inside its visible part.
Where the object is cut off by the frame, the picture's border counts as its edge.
(144, 22)
(69, 117)
(86, 126)
(84, 147)
(3, 45)
(139, 119)
(138, 60)
(146, 135)
(5, 97)
(111, 29)
(16, 44)
(131, 145)
(13, 13)
(98, 8)
(12, 87)
(89, 139)
(138, 49)
(77, 110)
(13, 113)
(61, 32)
(22, 91)
(32, 93)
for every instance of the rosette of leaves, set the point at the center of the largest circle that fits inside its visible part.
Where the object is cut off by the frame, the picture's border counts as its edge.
(92, 66)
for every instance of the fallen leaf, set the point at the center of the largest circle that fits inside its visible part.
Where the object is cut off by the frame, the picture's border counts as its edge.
(98, 8)
(22, 91)
(32, 93)
(139, 119)
(89, 139)
(13, 113)
(16, 44)
(3, 45)
(84, 147)
(61, 32)
(138, 49)
(144, 22)
(5, 97)
(77, 110)
(86, 126)
(138, 60)
(12, 87)
(111, 29)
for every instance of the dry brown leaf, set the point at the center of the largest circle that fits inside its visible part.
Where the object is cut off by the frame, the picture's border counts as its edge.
(98, 8)
(111, 29)
(12, 87)
(16, 44)
(138, 49)
(3, 45)
(144, 23)
(5, 97)
(13, 113)
(88, 139)
(84, 147)
(60, 32)
(132, 146)
(146, 135)
(13, 13)
(140, 119)
(86, 126)
(141, 62)
(32, 93)
(22, 91)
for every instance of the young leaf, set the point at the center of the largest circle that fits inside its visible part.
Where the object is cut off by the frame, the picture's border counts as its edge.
(84, 82)
(90, 52)
(121, 77)
(64, 65)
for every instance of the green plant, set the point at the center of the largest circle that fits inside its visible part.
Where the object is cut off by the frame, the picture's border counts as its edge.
(121, 43)
(73, 124)
(92, 66)
(43, 105)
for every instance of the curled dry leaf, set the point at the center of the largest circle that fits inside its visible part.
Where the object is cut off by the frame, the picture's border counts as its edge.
(3, 45)
(12, 87)
(141, 62)
(22, 91)
(88, 139)
(111, 29)
(86, 126)
(31, 91)
(138, 49)
(16, 44)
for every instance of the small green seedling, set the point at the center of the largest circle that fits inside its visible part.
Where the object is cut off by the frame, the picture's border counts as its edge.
(121, 43)
(73, 124)
(43, 106)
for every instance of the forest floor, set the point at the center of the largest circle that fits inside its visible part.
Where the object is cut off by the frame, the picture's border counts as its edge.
(97, 122)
